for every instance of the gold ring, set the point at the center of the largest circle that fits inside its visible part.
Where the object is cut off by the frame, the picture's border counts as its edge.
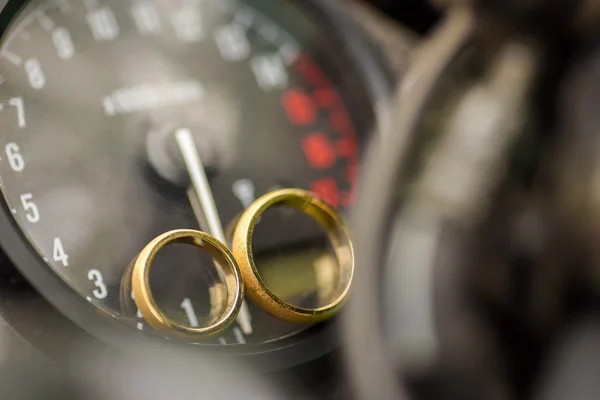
(150, 310)
(337, 233)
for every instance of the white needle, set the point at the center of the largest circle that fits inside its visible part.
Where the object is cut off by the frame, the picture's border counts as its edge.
(210, 215)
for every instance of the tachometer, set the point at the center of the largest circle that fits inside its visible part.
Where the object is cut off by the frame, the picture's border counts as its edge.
(91, 94)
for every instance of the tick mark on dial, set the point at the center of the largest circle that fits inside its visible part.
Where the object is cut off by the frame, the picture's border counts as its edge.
(13, 58)
(45, 21)
(244, 18)
(269, 32)
(239, 336)
(289, 53)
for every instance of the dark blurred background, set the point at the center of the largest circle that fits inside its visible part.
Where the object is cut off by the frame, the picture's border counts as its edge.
(416, 14)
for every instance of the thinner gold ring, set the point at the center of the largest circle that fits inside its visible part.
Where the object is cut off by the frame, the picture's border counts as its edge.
(231, 280)
(337, 233)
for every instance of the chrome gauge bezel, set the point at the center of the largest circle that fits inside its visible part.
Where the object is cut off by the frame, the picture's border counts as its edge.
(68, 317)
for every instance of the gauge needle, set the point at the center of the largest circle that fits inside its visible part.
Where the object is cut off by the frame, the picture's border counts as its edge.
(208, 218)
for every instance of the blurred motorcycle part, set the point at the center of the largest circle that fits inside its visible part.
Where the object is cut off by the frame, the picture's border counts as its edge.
(419, 15)
(440, 313)
(571, 371)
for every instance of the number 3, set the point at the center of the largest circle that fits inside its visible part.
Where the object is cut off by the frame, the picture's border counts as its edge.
(101, 292)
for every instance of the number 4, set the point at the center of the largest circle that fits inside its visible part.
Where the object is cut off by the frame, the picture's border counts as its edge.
(59, 254)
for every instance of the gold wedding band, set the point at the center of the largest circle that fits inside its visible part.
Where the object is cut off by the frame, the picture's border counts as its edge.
(150, 310)
(337, 233)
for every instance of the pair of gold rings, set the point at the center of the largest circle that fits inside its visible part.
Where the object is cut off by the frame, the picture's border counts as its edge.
(242, 277)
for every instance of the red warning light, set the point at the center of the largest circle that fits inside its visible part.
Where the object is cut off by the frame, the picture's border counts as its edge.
(327, 190)
(319, 151)
(347, 147)
(299, 107)
(325, 97)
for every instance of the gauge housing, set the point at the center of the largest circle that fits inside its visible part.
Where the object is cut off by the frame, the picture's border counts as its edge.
(52, 316)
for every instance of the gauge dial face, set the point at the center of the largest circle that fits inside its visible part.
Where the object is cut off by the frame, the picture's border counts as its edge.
(92, 92)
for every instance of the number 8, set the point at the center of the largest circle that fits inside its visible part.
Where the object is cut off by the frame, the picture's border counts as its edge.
(36, 76)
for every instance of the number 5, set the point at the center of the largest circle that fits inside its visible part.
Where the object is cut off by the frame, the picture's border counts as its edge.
(32, 212)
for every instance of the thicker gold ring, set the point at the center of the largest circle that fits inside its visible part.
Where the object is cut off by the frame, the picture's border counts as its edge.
(256, 288)
(149, 308)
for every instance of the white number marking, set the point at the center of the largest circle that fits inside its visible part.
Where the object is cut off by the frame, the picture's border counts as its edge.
(245, 191)
(36, 76)
(146, 18)
(187, 306)
(103, 24)
(187, 22)
(269, 71)
(13, 58)
(17, 102)
(232, 43)
(289, 52)
(96, 276)
(63, 42)
(268, 32)
(45, 21)
(58, 254)
(32, 213)
(15, 159)
(138, 314)
(239, 336)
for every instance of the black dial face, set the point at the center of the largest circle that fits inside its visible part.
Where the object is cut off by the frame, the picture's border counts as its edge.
(92, 94)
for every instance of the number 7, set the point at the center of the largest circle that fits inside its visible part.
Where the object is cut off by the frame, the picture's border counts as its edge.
(17, 102)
